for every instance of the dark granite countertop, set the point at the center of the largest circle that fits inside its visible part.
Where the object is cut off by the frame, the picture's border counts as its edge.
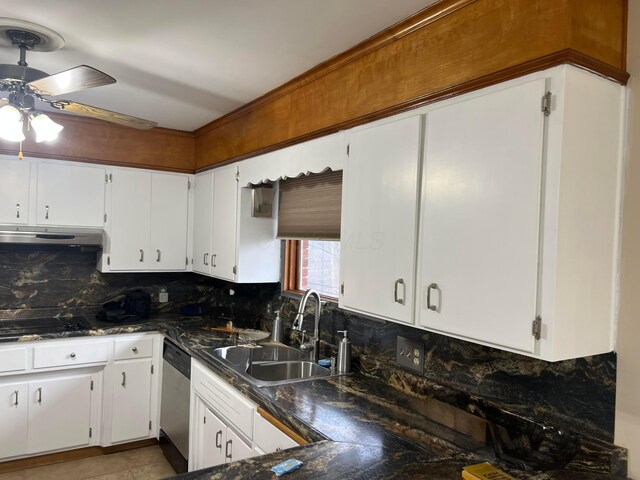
(359, 426)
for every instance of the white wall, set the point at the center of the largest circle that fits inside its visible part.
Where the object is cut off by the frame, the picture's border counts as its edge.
(628, 345)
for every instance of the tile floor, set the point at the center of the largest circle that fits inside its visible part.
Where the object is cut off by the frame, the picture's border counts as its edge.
(141, 464)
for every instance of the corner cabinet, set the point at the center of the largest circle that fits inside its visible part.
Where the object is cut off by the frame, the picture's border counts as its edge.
(146, 221)
(229, 243)
(379, 219)
(518, 215)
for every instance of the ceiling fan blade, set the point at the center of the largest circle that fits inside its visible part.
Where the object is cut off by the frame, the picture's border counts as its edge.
(102, 114)
(72, 80)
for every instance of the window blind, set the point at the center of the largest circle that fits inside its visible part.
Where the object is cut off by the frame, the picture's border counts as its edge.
(309, 206)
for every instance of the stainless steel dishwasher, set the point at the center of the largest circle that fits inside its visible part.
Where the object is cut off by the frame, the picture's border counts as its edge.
(174, 410)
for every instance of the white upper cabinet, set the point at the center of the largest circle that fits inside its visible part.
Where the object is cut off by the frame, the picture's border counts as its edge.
(146, 221)
(14, 191)
(203, 222)
(379, 209)
(225, 209)
(519, 220)
(228, 242)
(70, 195)
(480, 216)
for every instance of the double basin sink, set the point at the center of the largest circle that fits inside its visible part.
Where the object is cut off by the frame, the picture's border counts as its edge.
(270, 364)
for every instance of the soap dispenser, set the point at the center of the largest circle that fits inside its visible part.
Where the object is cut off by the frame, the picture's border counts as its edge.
(344, 353)
(277, 331)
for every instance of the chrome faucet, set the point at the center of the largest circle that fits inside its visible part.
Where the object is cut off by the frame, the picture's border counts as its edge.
(313, 345)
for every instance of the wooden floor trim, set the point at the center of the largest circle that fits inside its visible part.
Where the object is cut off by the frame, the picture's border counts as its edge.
(69, 455)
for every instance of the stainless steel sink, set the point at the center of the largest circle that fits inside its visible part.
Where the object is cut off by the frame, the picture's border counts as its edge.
(286, 371)
(270, 364)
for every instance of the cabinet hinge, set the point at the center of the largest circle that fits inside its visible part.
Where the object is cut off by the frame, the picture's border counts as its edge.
(237, 176)
(106, 178)
(342, 288)
(90, 432)
(186, 260)
(536, 328)
(149, 424)
(188, 184)
(204, 419)
(151, 369)
(108, 260)
(348, 149)
(546, 104)
(235, 269)
(105, 218)
(92, 385)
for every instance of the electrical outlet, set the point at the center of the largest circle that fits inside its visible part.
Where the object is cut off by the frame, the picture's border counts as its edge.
(410, 354)
(163, 296)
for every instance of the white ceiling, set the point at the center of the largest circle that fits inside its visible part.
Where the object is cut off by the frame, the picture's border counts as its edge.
(183, 63)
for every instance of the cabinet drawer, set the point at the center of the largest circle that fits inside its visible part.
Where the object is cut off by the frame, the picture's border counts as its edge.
(269, 438)
(71, 353)
(13, 360)
(225, 400)
(128, 348)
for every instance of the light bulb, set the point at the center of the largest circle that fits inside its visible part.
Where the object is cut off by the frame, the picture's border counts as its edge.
(45, 128)
(11, 124)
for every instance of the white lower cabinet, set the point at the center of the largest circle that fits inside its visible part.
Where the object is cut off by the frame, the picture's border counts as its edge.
(14, 416)
(131, 400)
(48, 403)
(225, 425)
(59, 413)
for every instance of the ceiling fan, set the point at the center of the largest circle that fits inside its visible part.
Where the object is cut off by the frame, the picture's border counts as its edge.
(23, 87)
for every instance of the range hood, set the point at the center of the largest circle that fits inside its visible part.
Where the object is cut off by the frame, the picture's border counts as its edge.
(71, 237)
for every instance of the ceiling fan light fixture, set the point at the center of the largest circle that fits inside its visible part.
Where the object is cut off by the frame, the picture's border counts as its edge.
(11, 124)
(45, 128)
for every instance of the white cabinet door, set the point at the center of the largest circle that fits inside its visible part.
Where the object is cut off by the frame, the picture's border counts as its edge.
(214, 436)
(478, 264)
(14, 191)
(130, 220)
(268, 439)
(202, 222)
(235, 448)
(59, 413)
(379, 203)
(225, 207)
(131, 400)
(169, 217)
(13, 419)
(70, 195)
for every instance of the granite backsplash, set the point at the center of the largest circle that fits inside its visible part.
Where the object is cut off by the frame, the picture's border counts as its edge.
(540, 414)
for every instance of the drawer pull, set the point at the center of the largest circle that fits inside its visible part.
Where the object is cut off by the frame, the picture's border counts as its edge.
(40, 395)
(219, 439)
(73, 355)
(228, 449)
(16, 393)
(124, 379)
(134, 349)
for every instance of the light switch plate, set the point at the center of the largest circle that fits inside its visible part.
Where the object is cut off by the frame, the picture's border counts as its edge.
(163, 295)
(410, 354)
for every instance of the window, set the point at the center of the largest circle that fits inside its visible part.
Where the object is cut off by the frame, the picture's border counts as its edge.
(309, 212)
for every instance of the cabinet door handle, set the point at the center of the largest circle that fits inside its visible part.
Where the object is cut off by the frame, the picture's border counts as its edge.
(214, 259)
(158, 257)
(205, 259)
(141, 255)
(433, 286)
(228, 449)
(40, 395)
(46, 212)
(17, 210)
(16, 393)
(219, 439)
(399, 282)
(124, 379)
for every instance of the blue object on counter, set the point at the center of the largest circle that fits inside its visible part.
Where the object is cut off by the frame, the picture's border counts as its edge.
(325, 362)
(286, 466)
